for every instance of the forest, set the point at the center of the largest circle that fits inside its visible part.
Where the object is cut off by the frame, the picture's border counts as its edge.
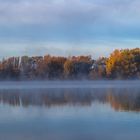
(121, 64)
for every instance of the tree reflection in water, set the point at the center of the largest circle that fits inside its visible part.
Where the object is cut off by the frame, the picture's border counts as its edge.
(119, 99)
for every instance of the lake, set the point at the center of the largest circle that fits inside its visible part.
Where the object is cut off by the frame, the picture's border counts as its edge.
(101, 110)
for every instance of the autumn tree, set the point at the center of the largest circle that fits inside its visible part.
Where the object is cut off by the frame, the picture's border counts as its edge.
(54, 66)
(124, 64)
(78, 67)
(98, 70)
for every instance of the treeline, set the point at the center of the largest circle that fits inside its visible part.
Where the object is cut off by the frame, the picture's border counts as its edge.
(121, 64)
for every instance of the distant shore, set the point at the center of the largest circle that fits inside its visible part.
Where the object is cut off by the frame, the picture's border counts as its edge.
(121, 64)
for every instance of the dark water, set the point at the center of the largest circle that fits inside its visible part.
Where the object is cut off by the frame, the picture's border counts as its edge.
(103, 111)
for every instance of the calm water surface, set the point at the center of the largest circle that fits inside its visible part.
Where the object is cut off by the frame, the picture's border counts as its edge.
(70, 111)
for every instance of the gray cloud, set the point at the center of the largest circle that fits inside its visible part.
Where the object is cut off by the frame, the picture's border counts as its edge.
(69, 12)
(70, 24)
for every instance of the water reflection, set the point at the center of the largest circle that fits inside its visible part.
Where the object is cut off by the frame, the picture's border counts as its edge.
(119, 99)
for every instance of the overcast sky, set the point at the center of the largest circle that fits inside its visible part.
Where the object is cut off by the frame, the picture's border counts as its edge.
(68, 27)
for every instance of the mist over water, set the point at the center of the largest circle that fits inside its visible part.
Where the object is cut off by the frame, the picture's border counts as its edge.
(69, 84)
(66, 110)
